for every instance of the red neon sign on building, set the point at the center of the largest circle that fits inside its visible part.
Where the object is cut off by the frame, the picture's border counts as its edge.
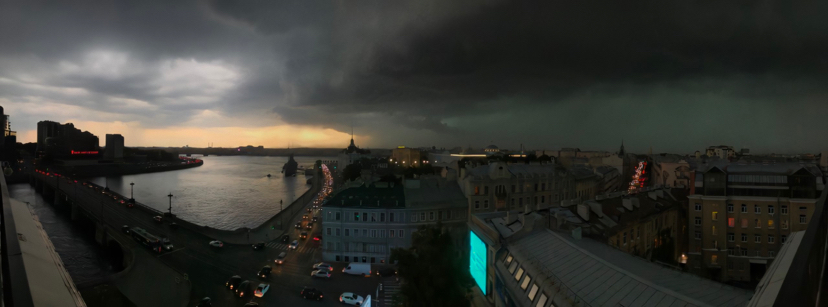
(92, 152)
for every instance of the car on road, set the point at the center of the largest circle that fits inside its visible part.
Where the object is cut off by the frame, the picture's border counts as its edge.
(157, 218)
(261, 290)
(308, 210)
(314, 219)
(322, 266)
(166, 244)
(173, 225)
(204, 302)
(243, 287)
(321, 274)
(233, 282)
(317, 237)
(298, 225)
(265, 271)
(125, 229)
(258, 246)
(355, 268)
(350, 298)
(304, 216)
(285, 239)
(386, 272)
(216, 243)
(303, 235)
(311, 294)
(310, 225)
(281, 258)
(294, 244)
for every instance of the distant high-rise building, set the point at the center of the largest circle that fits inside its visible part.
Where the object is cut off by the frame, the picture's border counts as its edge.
(114, 147)
(60, 141)
(7, 136)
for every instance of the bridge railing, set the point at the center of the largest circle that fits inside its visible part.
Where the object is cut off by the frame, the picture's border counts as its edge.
(16, 290)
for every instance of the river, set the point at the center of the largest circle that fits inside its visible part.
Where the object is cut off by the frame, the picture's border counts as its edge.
(227, 192)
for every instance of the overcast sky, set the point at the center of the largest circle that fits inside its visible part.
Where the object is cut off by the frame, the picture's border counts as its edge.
(676, 76)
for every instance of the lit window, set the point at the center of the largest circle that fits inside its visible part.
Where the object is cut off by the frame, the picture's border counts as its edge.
(758, 223)
(713, 230)
(519, 274)
(714, 259)
(508, 260)
(513, 267)
(533, 292)
(525, 283)
(715, 215)
(731, 222)
(770, 223)
(542, 300)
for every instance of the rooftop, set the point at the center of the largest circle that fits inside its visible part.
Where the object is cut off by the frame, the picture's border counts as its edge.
(375, 195)
(603, 276)
(433, 192)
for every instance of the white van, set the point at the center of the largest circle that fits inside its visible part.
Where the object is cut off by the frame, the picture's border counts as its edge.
(358, 269)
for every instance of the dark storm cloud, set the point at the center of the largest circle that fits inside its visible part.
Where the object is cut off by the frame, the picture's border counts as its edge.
(443, 72)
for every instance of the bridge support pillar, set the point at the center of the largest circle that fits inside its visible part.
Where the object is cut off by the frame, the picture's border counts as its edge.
(100, 234)
(75, 212)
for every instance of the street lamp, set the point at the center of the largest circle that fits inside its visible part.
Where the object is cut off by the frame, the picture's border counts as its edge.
(131, 197)
(170, 196)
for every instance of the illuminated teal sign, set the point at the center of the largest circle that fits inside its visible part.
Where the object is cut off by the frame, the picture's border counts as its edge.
(477, 261)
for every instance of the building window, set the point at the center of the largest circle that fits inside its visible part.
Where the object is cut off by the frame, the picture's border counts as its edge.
(784, 238)
(338, 232)
(744, 208)
(757, 239)
(402, 233)
(698, 207)
(382, 217)
(731, 222)
(365, 216)
(543, 199)
(715, 216)
(519, 273)
(365, 232)
(784, 209)
(328, 231)
(356, 216)
(526, 281)
(744, 237)
(477, 204)
(391, 217)
(356, 232)
(338, 216)
(770, 209)
(625, 239)
(542, 300)
(373, 233)
(422, 216)
(533, 292)
(485, 204)
(770, 224)
(784, 224)
(382, 233)
(414, 217)
(373, 217)
(744, 251)
(803, 209)
(802, 219)
(698, 235)
(508, 260)
(476, 190)
(431, 216)
(770, 239)
(347, 232)
(757, 209)
(697, 221)
(758, 253)
(713, 230)
(744, 223)
(391, 233)
(330, 214)
(512, 202)
(731, 237)
(729, 208)
(758, 223)
(714, 259)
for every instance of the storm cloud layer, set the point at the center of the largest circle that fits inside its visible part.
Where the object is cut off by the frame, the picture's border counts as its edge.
(672, 75)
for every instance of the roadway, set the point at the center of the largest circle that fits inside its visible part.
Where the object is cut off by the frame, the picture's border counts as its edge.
(208, 268)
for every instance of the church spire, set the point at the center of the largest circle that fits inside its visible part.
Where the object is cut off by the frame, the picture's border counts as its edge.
(621, 151)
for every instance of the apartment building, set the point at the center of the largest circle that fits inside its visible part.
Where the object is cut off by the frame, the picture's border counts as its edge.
(499, 186)
(740, 215)
(363, 223)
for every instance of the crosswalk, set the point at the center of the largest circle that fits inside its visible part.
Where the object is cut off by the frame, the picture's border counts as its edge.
(301, 249)
(390, 287)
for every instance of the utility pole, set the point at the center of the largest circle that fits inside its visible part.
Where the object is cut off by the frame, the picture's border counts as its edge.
(170, 209)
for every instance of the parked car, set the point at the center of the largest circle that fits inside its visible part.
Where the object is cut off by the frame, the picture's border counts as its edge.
(233, 282)
(261, 290)
(157, 218)
(243, 288)
(322, 266)
(386, 272)
(321, 274)
(205, 302)
(216, 243)
(317, 237)
(281, 258)
(285, 239)
(258, 246)
(303, 235)
(166, 244)
(294, 244)
(311, 294)
(350, 298)
(265, 271)
(125, 229)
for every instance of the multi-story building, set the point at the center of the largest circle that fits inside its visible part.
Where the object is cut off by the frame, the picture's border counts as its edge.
(65, 140)
(670, 171)
(406, 157)
(114, 147)
(741, 214)
(500, 186)
(363, 224)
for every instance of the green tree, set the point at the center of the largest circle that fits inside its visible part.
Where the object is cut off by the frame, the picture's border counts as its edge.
(432, 270)
(352, 171)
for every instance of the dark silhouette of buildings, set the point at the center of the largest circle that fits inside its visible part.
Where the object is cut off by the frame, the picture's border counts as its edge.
(57, 140)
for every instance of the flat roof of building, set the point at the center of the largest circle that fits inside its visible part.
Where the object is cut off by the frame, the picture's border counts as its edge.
(375, 195)
(604, 276)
